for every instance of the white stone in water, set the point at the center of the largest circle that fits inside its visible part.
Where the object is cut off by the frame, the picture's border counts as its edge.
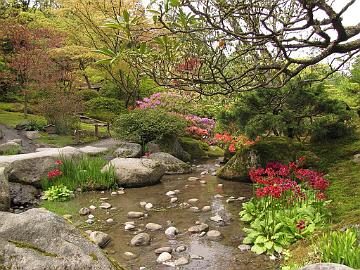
(121, 192)
(218, 196)
(102, 192)
(213, 174)
(213, 235)
(171, 231)
(186, 186)
(84, 211)
(206, 208)
(216, 218)
(99, 238)
(105, 205)
(163, 257)
(114, 193)
(192, 178)
(141, 239)
(148, 206)
(217, 165)
(104, 199)
(194, 209)
(132, 214)
(177, 191)
(185, 205)
(91, 216)
(92, 207)
(173, 200)
(180, 248)
(163, 249)
(90, 221)
(220, 185)
(204, 173)
(202, 234)
(241, 198)
(203, 182)
(181, 261)
(170, 193)
(153, 226)
(196, 257)
(244, 247)
(142, 204)
(109, 221)
(194, 200)
(129, 254)
(129, 227)
(198, 228)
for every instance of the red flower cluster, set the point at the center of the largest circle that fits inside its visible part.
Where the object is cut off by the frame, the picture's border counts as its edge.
(58, 162)
(234, 141)
(54, 173)
(300, 225)
(314, 179)
(194, 130)
(277, 179)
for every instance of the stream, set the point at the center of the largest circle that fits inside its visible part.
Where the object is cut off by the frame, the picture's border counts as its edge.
(200, 251)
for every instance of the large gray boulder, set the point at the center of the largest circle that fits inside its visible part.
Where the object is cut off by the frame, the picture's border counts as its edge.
(136, 172)
(326, 266)
(172, 164)
(40, 240)
(4, 190)
(31, 168)
(128, 150)
(92, 150)
(169, 145)
(23, 194)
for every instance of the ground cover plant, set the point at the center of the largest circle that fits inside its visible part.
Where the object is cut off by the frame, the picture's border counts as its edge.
(80, 173)
(289, 205)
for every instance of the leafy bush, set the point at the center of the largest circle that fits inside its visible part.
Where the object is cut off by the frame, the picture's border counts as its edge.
(105, 108)
(88, 94)
(147, 125)
(84, 173)
(289, 205)
(298, 110)
(58, 193)
(33, 125)
(60, 109)
(341, 247)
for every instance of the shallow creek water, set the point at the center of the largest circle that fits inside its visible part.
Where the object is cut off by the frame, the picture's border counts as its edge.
(219, 255)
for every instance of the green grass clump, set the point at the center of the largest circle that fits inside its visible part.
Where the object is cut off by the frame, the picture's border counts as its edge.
(11, 151)
(341, 247)
(84, 173)
(60, 208)
(21, 244)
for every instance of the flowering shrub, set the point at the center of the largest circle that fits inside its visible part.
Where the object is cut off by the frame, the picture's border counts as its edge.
(289, 205)
(234, 142)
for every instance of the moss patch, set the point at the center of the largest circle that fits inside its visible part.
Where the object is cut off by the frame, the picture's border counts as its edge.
(60, 208)
(215, 151)
(93, 257)
(196, 148)
(21, 244)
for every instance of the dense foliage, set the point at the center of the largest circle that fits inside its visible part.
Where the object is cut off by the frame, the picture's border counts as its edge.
(147, 125)
(289, 205)
(299, 110)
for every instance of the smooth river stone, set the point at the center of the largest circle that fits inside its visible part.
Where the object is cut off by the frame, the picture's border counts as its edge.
(141, 239)
(163, 249)
(198, 228)
(153, 226)
(135, 214)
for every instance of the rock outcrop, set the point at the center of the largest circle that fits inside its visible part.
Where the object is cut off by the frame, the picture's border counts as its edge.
(40, 240)
(135, 172)
(172, 164)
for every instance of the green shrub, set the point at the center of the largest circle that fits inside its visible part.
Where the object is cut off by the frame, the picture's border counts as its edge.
(59, 193)
(331, 127)
(84, 173)
(341, 247)
(88, 94)
(34, 125)
(146, 125)
(104, 108)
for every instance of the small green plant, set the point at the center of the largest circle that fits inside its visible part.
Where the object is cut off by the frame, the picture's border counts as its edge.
(340, 247)
(11, 151)
(84, 173)
(58, 193)
(34, 125)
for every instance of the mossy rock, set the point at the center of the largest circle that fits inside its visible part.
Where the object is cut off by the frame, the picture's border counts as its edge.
(215, 151)
(196, 148)
(273, 149)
